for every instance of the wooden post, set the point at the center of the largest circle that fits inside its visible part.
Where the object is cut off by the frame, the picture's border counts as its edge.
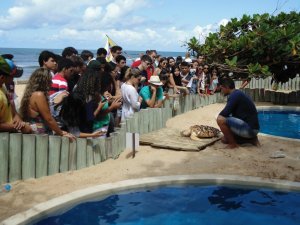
(97, 154)
(114, 145)
(133, 145)
(4, 140)
(292, 97)
(81, 152)
(41, 152)
(64, 154)
(145, 120)
(267, 95)
(108, 147)
(89, 152)
(261, 95)
(73, 156)
(256, 95)
(28, 156)
(103, 151)
(15, 156)
(54, 154)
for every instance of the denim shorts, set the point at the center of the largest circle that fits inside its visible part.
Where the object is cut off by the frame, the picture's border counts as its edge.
(240, 128)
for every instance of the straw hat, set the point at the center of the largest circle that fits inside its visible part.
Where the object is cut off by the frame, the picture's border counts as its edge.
(155, 80)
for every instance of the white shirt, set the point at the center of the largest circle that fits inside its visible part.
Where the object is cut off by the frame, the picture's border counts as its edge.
(130, 101)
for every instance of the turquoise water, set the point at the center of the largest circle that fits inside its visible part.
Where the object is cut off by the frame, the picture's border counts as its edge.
(28, 57)
(182, 205)
(280, 123)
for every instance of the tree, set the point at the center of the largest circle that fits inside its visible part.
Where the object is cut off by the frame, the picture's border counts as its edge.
(256, 46)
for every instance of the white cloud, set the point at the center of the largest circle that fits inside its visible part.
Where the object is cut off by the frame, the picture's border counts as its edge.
(92, 14)
(201, 32)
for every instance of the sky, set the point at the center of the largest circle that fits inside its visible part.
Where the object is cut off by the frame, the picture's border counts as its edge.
(163, 25)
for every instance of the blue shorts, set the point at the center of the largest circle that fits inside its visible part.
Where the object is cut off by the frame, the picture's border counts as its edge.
(240, 128)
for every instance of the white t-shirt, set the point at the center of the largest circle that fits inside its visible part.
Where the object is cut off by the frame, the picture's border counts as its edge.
(130, 101)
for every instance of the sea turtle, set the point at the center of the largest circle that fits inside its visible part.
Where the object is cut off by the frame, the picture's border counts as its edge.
(200, 131)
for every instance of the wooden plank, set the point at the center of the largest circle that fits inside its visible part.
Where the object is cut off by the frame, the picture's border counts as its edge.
(151, 119)
(64, 154)
(136, 125)
(145, 120)
(114, 145)
(28, 156)
(81, 153)
(159, 122)
(90, 152)
(97, 155)
(118, 130)
(54, 154)
(41, 155)
(73, 155)
(15, 157)
(103, 152)
(108, 147)
(4, 140)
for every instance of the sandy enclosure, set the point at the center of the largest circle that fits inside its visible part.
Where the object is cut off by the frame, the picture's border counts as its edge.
(149, 162)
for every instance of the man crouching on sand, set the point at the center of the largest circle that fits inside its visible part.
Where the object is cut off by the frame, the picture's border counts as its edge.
(238, 120)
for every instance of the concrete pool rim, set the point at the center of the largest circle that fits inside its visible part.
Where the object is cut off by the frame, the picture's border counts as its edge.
(104, 190)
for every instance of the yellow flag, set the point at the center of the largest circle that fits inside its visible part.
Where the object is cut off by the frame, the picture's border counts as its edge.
(109, 43)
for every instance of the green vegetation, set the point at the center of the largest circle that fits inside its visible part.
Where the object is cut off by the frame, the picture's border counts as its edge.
(255, 46)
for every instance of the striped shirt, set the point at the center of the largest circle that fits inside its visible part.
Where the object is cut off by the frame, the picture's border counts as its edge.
(58, 84)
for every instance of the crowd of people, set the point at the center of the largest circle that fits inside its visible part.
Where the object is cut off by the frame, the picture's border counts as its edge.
(83, 95)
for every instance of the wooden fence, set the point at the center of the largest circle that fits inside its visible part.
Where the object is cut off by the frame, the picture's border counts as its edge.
(24, 156)
(291, 85)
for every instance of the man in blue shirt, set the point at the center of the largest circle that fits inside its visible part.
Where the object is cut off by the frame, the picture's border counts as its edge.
(238, 120)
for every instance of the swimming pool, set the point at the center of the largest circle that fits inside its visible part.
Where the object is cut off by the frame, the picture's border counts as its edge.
(109, 191)
(279, 121)
(189, 204)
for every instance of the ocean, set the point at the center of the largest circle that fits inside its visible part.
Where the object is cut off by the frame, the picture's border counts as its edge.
(28, 57)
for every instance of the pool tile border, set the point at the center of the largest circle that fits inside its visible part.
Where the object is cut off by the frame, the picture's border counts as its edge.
(103, 190)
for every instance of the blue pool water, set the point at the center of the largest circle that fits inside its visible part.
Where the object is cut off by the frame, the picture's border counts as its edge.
(280, 123)
(199, 205)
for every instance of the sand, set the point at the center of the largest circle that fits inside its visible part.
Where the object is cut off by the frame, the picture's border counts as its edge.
(150, 162)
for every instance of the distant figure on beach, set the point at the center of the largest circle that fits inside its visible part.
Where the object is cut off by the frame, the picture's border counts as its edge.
(10, 121)
(238, 120)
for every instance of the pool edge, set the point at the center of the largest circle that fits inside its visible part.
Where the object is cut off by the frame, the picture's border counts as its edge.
(52, 205)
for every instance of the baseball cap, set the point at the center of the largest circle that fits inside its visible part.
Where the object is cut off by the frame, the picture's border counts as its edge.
(16, 71)
(4, 67)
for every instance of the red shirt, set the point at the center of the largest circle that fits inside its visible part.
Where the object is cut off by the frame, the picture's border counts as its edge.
(58, 84)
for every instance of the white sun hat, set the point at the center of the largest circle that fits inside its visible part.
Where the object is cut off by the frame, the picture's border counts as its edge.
(155, 80)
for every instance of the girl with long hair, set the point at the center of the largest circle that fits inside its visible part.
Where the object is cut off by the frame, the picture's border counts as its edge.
(35, 104)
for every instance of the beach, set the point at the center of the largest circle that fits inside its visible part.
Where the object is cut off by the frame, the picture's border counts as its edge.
(150, 162)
